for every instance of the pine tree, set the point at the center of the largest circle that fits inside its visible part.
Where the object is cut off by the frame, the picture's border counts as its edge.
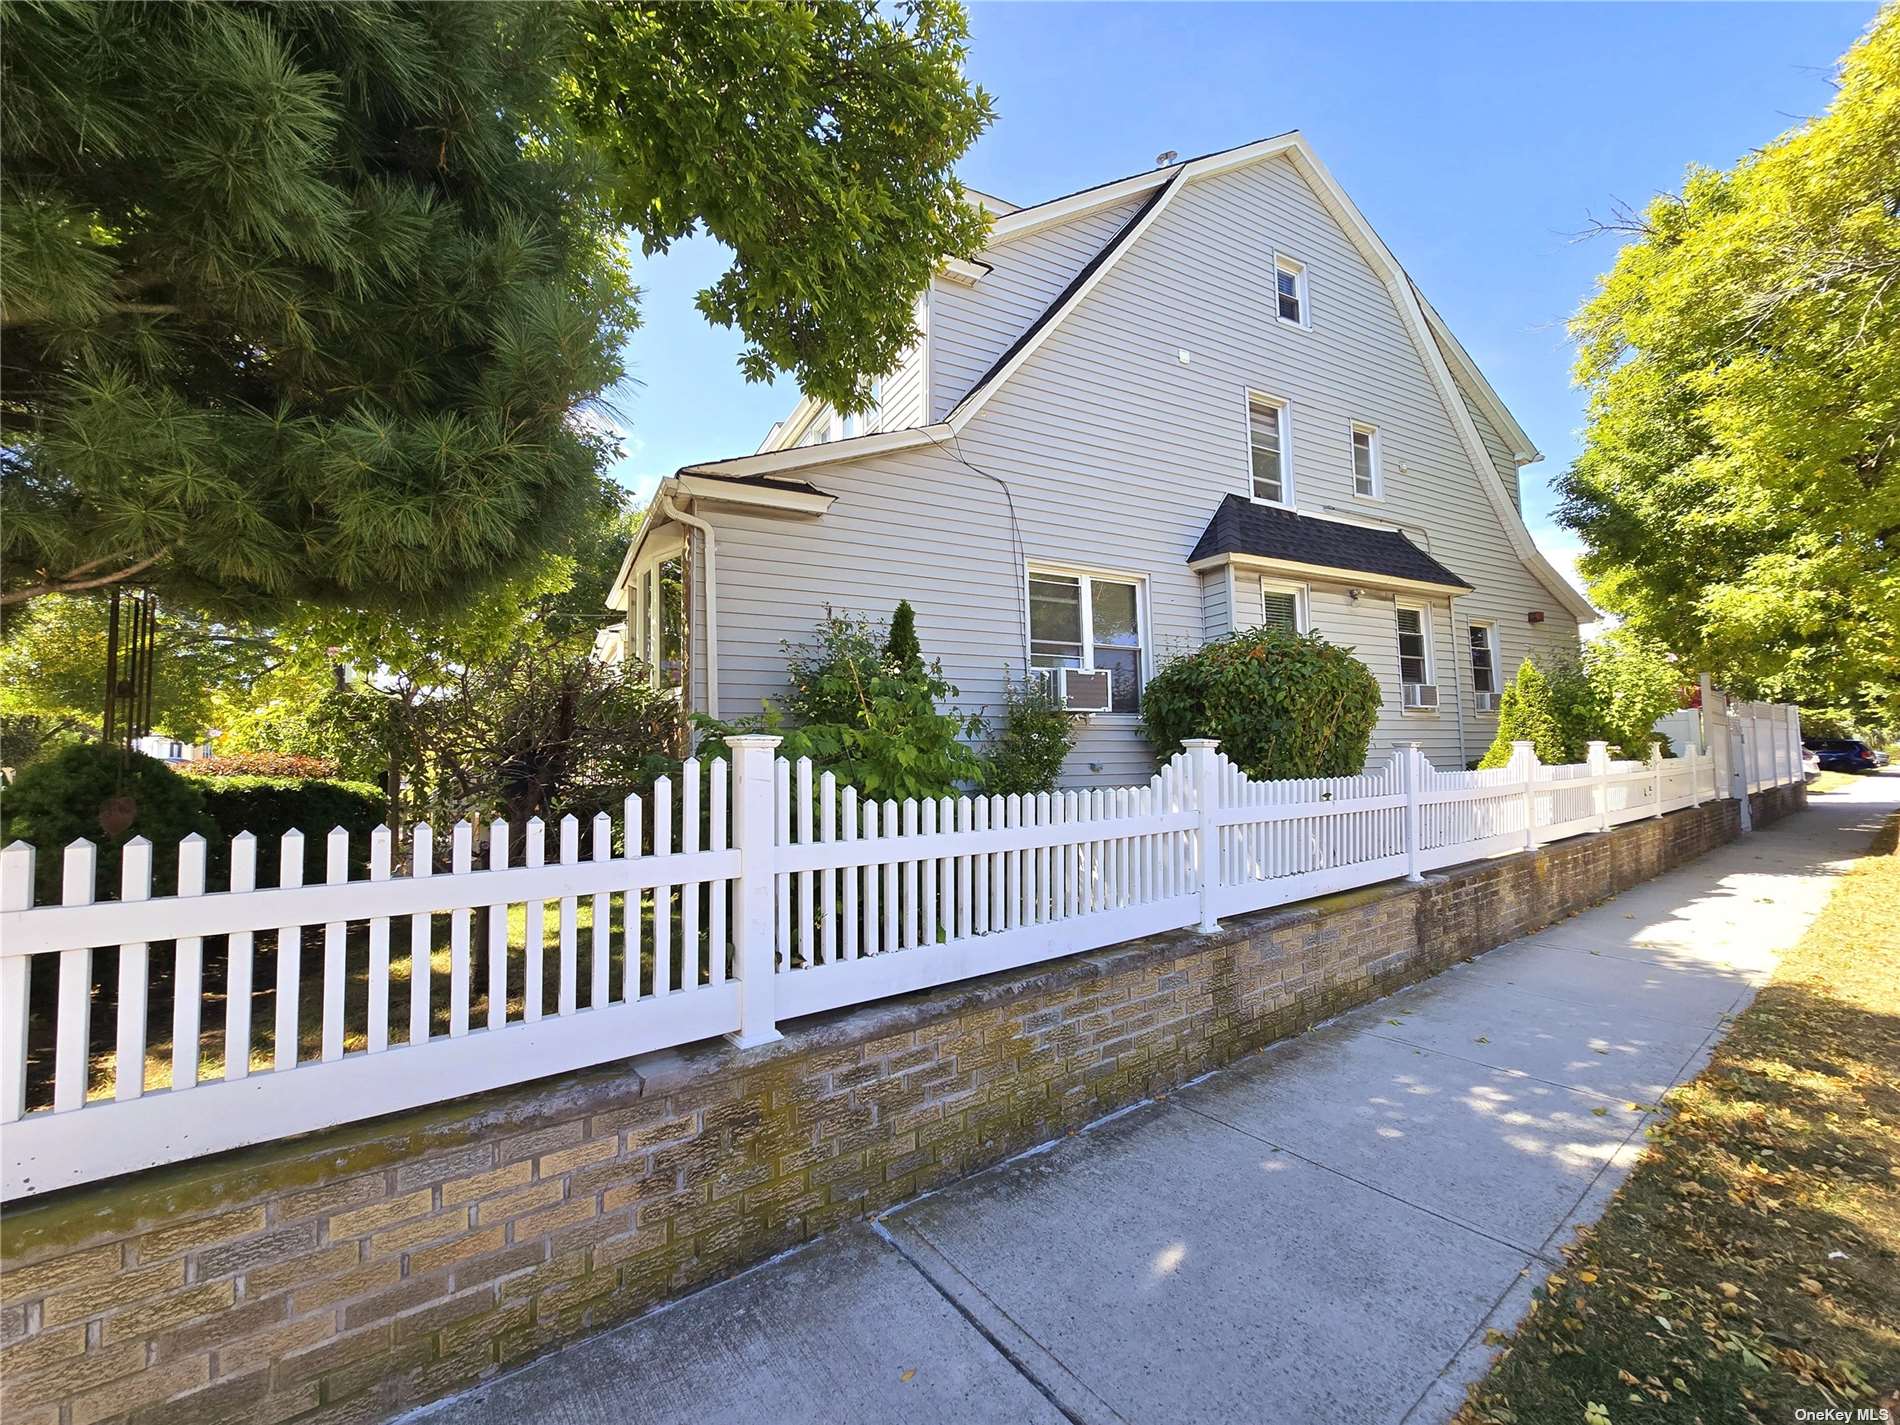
(301, 301)
(1527, 713)
(901, 647)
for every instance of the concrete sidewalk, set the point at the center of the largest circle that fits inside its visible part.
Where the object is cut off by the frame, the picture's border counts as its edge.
(1322, 1232)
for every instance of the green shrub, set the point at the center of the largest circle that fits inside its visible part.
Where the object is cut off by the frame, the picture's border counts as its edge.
(1613, 693)
(869, 713)
(1036, 736)
(267, 807)
(1282, 704)
(1528, 713)
(57, 799)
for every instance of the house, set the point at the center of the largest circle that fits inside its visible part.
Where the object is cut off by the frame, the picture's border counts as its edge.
(1201, 398)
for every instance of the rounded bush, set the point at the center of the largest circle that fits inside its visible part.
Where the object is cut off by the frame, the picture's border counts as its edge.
(1282, 704)
(57, 799)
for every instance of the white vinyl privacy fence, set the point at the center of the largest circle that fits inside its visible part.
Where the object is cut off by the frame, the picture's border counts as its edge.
(200, 1012)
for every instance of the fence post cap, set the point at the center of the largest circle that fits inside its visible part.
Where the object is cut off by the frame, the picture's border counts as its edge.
(750, 740)
(1200, 742)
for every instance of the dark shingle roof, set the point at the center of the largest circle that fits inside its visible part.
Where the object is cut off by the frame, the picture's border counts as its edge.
(1240, 526)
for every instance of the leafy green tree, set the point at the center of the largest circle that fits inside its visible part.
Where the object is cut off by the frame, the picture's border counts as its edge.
(1738, 486)
(1527, 713)
(817, 141)
(301, 301)
(1635, 683)
(52, 665)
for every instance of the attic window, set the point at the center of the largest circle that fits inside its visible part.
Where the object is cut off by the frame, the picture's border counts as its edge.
(1289, 283)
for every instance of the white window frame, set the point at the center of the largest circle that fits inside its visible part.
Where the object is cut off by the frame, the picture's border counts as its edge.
(1285, 409)
(1424, 612)
(1301, 602)
(1296, 269)
(643, 600)
(1490, 631)
(1371, 433)
(1086, 575)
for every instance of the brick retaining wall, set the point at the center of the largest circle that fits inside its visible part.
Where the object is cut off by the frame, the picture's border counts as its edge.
(349, 1274)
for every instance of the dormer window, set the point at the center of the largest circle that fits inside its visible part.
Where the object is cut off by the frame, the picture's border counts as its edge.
(1289, 283)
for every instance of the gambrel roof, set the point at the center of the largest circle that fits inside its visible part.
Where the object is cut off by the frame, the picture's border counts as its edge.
(1450, 369)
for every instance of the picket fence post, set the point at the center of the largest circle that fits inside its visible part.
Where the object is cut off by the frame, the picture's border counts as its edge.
(17, 865)
(754, 953)
(1695, 776)
(1412, 759)
(1200, 751)
(1597, 758)
(1656, 773)
(1524, 758)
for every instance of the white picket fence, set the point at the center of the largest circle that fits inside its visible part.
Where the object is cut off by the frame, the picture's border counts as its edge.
(761, 894)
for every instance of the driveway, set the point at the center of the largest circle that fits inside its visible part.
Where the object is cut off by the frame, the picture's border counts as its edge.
(1324, 1231)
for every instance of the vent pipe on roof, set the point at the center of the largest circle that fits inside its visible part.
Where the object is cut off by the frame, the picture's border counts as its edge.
(1162, 160)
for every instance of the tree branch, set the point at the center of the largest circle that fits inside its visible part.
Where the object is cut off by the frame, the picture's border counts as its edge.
(70, 583)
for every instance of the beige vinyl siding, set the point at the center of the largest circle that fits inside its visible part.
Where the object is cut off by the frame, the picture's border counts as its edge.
(1217, 610)
(1116, 454)
(972, 326)
(696, 671)
(902, 396)
(1495, 447)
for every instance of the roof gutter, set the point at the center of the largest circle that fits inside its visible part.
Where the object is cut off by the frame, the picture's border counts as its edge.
(1331, 573)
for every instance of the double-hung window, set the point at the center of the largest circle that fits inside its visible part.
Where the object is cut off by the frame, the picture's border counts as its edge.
(1367, 479)
(1282, 606)
(1089, 621)
(1289, 290)
(1484, 659)
(1415, 646)
(1270, 449)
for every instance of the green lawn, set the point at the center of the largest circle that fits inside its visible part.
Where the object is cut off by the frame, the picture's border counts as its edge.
(1750, 1266)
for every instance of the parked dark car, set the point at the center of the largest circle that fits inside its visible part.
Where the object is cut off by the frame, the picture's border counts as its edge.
(1842, 754)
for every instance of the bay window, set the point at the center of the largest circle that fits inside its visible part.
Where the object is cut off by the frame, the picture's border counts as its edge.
(656, 617)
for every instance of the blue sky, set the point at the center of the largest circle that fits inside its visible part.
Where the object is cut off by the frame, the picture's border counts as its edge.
(1478, 139)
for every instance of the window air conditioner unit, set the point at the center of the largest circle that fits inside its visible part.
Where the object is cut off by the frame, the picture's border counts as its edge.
(1487, 702)
(1421, 695)
(1083, 690)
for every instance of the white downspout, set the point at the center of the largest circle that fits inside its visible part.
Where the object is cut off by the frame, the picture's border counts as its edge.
(672, 511)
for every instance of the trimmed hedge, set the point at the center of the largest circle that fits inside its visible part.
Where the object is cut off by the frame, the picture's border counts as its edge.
(267, 807)
(1282, 704)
